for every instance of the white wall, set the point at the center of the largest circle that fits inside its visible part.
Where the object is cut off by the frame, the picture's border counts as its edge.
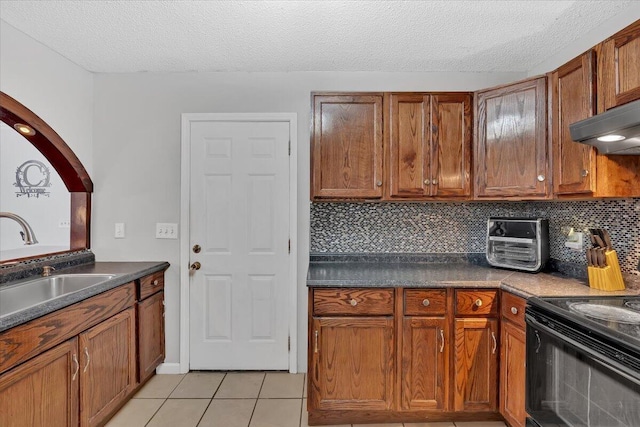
(587, 41)
(54, 88)
(137, 153)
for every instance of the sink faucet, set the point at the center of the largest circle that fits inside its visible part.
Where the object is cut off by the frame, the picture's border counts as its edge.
(46, 270)
(27, 233)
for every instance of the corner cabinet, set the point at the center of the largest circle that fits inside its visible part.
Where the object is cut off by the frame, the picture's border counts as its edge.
(346, 146)
(428, 140)
(510, 151)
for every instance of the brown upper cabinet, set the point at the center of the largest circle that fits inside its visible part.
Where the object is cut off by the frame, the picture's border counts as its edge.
(619, 68)
(428, 142)
(510, 152)
(573, 99)
(346, 153)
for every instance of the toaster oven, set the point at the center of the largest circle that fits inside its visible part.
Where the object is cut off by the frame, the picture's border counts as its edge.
(518, 243)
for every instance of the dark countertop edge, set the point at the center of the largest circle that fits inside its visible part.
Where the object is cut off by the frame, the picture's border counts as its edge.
(124, 272)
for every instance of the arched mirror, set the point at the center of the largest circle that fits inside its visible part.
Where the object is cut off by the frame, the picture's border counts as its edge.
(45, 192)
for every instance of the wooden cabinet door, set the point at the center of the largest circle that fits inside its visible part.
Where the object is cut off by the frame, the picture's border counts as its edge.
(409, 145)
(352, 363)
(150, 335)
(512, 373)
(450, 145)
(619, 68)
(476, 364)
(42, 391)
(425, 363)
(347, 146)
(511, 155)
(573, 92)
(107, 366)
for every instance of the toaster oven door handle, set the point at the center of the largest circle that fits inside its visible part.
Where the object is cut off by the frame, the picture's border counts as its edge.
(510, 239)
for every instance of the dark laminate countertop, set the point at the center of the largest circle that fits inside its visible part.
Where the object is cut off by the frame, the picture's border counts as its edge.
(124, 272)
(432, 275)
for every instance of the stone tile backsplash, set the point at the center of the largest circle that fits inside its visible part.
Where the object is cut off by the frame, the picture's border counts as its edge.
(461, 227)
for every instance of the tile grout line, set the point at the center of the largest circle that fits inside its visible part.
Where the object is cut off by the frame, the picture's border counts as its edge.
(257, 398)
(211, 400)
(165, 399)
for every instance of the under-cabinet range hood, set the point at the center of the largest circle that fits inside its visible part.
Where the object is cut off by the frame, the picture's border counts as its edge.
(616, 131)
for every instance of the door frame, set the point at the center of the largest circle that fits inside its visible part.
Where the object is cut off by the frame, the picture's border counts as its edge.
(185, 184)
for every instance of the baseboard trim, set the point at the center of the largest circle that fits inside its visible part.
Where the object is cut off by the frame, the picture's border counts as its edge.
(168, 368)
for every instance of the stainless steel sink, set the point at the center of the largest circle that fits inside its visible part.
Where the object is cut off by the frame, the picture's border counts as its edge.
(33, 292)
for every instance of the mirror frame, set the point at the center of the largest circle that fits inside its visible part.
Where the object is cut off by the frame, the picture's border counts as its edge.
(64, 161)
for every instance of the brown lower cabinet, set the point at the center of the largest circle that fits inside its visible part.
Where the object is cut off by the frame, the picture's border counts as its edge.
(403, 355)
(77, 366)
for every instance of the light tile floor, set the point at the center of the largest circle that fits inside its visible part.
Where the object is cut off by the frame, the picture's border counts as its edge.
(234, 399)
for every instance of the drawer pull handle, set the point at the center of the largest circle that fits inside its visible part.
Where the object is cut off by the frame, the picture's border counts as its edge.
(514, 310)
(353, 302)
(442, 338)
(86, 353)
(426, 302)
(478, 302)
(75, 361)
(315, 349)
(495, 343)
(155, 282)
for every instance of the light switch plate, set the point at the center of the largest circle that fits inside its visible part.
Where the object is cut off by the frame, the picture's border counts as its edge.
(166, 230)
(119, 230)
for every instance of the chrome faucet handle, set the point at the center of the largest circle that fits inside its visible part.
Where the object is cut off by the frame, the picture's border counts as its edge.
(46, 270)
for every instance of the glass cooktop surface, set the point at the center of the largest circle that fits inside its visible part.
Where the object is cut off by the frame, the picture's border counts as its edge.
(616, 317)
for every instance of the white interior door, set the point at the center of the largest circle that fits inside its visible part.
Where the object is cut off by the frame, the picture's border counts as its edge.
(239, 216)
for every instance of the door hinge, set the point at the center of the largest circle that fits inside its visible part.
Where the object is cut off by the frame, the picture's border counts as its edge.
(289, 147)
(289, 343)
(289, 245)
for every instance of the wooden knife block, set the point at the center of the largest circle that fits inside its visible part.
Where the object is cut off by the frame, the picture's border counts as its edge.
(607, 278)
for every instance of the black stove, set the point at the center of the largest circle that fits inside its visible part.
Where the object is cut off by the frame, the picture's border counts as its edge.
(616, 318)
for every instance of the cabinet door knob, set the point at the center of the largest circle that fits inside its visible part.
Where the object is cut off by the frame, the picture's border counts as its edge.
(426, 302)
(541, 178)
(478, 302)
(379, 183)
(155, 282)
(434, 182)
(353, 302)
(584, 172)
(514, 310)
(427, 182)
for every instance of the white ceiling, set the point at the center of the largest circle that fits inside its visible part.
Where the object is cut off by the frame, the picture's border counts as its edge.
(171, 35)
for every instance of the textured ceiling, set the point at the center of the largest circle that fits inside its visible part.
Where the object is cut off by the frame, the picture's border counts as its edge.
(170, 35)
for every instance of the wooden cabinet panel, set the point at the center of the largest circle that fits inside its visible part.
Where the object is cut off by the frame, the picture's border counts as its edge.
(352, 301)
(108, 366)
(347, 146)
(409, 145)
(42, 391)
(573, 92)
(150, 335)
(425, 302)
(352, 363)
(477, 302)
(511, 142)
(451, 145)
(476, 365)
(619, 68)
(425, 363)
(512, 373)
(151, 284)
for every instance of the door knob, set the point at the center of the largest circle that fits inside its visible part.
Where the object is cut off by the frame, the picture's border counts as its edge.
(195, 266)
(196, 249)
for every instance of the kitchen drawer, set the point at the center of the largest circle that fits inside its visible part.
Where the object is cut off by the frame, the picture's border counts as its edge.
(477, 302)
(352, 301)
(425, 302)
(151, 284)
(513, 308)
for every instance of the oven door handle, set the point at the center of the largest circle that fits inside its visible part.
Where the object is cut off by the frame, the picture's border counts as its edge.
(608, 363)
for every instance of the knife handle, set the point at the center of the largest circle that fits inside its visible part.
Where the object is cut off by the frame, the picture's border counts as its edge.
(607, 239)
